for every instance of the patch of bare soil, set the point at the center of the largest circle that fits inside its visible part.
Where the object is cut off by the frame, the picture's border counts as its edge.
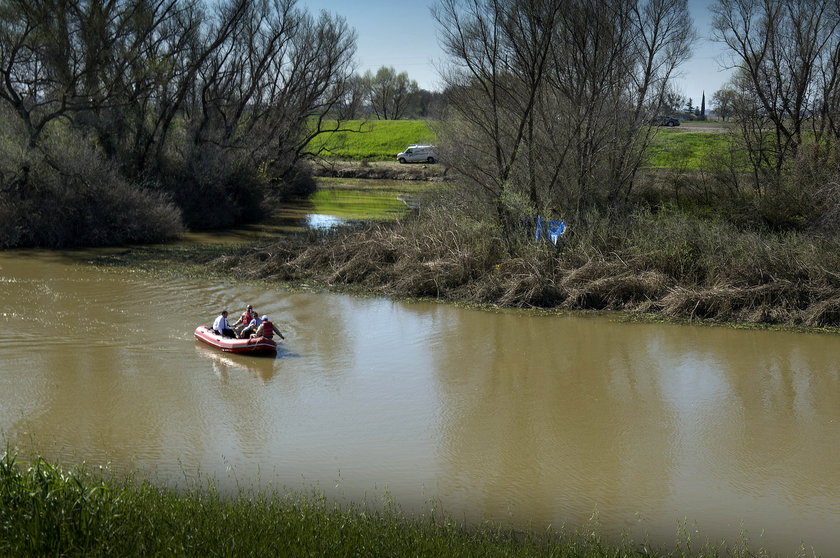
(704, 127)
(383, 170)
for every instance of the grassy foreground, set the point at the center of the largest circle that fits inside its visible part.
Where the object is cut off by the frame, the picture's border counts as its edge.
(48, 511)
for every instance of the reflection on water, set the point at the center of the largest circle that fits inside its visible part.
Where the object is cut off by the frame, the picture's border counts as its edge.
(261, 367)
(334, 204)
(528, 420)
(316, 221)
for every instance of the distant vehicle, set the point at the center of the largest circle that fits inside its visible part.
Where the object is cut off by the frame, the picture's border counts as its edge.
(669, 121)
(415, 153)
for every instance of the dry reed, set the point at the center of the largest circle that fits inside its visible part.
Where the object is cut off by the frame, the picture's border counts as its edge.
(725, 276)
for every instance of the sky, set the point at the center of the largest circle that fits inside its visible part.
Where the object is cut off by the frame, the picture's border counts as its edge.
(404, 35)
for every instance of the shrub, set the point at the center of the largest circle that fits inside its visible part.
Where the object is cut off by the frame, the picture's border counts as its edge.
(68, 195)
(213, 188)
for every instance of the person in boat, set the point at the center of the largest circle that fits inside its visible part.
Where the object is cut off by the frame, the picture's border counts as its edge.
(249, 328)
(266, 329)
(247, 316)
(221, 325)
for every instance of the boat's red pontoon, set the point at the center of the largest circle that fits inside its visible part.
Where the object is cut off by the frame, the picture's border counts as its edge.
(254, 345)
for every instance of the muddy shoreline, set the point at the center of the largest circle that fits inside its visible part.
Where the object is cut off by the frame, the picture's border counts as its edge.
(380, 170)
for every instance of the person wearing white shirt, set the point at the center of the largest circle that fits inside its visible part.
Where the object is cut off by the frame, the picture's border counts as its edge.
(221, 326)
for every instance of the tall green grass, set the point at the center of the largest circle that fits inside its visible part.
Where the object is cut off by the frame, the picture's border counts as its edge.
(381, 140)
(686, 151)
(376, 140)
(48, 511)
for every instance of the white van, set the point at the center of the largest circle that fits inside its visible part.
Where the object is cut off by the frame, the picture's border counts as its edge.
(415, 153)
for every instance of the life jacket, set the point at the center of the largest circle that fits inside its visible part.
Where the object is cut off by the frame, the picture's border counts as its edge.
(268, 330)
(247, 317)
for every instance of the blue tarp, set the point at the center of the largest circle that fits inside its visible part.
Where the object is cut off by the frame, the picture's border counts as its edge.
(556, 228)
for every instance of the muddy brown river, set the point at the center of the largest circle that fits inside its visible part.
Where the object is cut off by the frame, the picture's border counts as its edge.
(658, 431)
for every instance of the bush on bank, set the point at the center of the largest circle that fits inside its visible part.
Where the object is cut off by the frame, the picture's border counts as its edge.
(67, 195)
(49, 511)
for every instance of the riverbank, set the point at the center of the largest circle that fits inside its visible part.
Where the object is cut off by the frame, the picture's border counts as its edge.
(414, 238)
(49, 510)
(383, 170)
(792, 286)
(667, 266)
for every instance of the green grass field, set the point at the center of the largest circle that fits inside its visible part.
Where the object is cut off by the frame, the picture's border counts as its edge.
(689, 147)
(377, 140)
(685, 150)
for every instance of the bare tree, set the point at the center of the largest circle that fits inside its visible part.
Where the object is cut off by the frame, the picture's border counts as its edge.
(500, 54)
(426, 103)
(754, 124)
(123, 67)
(207, 101)
(269, 87)
(552, 100)
(390, 93)
(787, 53)
(723, 100)
(252, 76)
(350, 105)
(52, 56)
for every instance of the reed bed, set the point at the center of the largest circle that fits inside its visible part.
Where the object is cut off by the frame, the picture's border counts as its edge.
(46, 510)
(671, 264)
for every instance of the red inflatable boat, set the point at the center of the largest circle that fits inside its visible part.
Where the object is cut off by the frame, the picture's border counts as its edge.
(254, 345)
